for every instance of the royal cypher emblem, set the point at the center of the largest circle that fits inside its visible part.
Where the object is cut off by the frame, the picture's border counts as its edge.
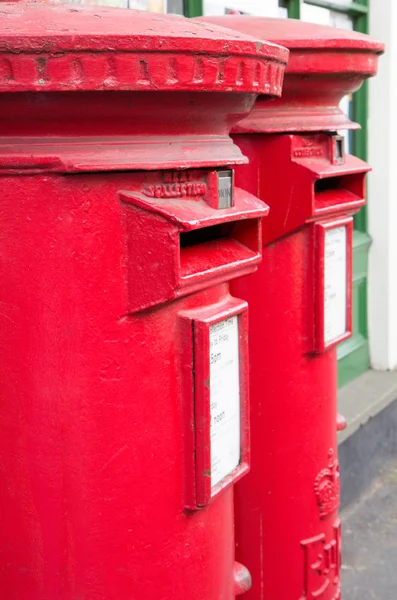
(327, 487)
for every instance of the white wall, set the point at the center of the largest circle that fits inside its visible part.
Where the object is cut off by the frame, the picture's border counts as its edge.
(382, 191)
(263, 8)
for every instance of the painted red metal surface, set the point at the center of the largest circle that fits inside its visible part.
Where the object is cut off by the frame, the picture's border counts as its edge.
(59, 48)
(287, 525)
(333, 62)
(113, 124)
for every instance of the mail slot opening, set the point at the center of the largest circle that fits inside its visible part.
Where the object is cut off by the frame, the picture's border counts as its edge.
(333, 191)
(209, 248)
(205, 234)
(351, 183)
(329, 183)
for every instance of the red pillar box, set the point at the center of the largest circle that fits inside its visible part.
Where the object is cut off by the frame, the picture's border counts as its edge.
(288, 531)
(121, 228)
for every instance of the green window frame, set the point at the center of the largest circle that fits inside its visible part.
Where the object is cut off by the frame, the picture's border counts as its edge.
(194, 8)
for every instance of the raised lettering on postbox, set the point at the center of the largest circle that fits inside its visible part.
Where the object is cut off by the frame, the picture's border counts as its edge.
(310, 146)
(308, 152)
(322, 566)
(177, 184)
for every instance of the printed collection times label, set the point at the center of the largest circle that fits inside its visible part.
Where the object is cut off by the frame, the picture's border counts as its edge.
(335, 283)
(224, 398)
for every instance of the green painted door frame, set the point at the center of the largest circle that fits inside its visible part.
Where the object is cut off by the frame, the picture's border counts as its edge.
(193, 8)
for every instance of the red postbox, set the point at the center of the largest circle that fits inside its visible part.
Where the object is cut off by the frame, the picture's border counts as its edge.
(287, 525)
(120, 229)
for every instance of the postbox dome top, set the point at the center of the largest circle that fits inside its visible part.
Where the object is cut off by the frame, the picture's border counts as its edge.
(325, 64)
(61, 47)
(298, 35)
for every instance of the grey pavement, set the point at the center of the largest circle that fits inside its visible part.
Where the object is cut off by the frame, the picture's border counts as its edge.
(369, 534)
